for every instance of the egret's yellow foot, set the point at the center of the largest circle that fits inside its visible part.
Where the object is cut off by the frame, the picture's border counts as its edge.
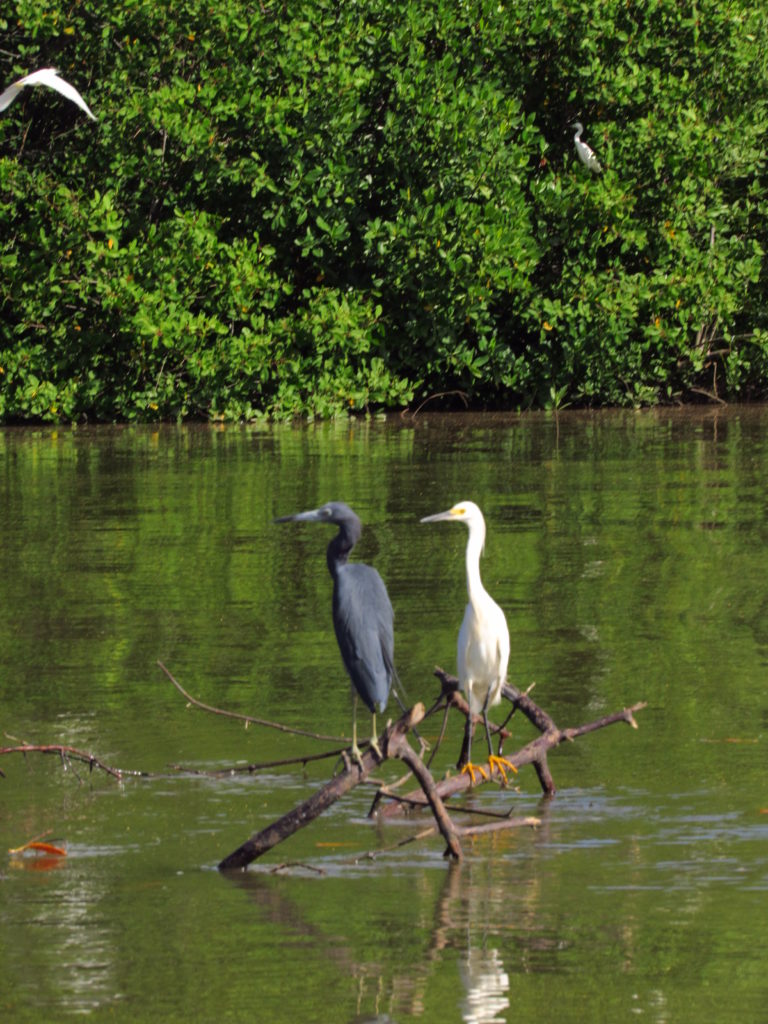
(501, 764)
(356, 756)
(475, 769)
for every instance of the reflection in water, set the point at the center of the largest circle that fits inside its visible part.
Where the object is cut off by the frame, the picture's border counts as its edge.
(86, 946)
(463, 939)
(500, 924)
(80, 977)
(487, 985)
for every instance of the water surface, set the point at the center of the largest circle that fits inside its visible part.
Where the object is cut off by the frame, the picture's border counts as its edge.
(628, 551)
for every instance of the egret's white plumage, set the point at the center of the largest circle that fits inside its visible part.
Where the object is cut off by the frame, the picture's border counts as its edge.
(49, 77)
(483, 647)
(586, 153)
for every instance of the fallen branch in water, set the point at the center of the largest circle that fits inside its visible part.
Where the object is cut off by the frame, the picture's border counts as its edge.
(69, 754)
(392, 741)
(394, 744)
(432, 794)
(533, 753)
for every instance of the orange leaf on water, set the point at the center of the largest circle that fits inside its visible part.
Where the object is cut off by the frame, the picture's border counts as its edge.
(47, 848)
(42, 847)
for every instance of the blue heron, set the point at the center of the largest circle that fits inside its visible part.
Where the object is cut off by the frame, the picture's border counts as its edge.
(49, 77)
(586, 153)
(483, 648)
(362, 616)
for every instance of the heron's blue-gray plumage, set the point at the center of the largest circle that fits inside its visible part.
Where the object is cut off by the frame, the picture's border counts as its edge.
(363, 620)
(362, 612)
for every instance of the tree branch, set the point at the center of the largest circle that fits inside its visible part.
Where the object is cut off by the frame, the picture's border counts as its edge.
(398, 747)
(248, 719)
(72, 754)
(534, 753)
(322, 798)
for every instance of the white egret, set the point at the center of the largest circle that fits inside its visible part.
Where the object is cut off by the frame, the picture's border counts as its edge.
(49, 77)
(586, 153)
(483, 647)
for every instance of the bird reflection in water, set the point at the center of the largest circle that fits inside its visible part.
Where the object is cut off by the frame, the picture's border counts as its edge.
(487, 987)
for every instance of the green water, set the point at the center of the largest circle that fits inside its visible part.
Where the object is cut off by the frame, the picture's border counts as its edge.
(629, 553)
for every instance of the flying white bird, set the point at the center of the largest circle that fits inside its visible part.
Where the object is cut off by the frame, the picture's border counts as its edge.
(49, 77)
(586, 153)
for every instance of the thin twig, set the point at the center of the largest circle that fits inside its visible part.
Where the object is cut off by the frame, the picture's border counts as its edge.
(497, 826)
(249, 719)
(441, 734)
(425, 833)
(67, 753)
(457, 809)
(430, 398)
(257, 766)
(286, 865)
(625, 715)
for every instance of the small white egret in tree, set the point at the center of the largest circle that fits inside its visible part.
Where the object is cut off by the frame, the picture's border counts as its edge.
(49, 77)
(483, 649)
(586, 153)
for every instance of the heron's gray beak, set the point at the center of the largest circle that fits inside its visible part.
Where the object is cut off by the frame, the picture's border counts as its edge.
(301, 517)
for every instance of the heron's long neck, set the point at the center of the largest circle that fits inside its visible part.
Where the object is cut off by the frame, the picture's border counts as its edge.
(338, 552)
(475, 588)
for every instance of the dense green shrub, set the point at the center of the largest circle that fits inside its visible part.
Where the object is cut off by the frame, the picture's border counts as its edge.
(319, 207)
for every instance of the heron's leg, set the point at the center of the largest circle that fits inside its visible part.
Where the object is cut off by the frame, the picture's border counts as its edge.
(355, 751)
(375, 737)
(487, 727)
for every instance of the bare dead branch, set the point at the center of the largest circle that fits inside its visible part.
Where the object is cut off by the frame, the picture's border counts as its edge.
(498, 826)
(393, 744)
(398, 747)
(257, 766)
(534, 753)
(248, 719)
(289, 864)
(425, 833)
(482, 812)
(625, 715)
(321, 799)
(406, 413)
(68, 754)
